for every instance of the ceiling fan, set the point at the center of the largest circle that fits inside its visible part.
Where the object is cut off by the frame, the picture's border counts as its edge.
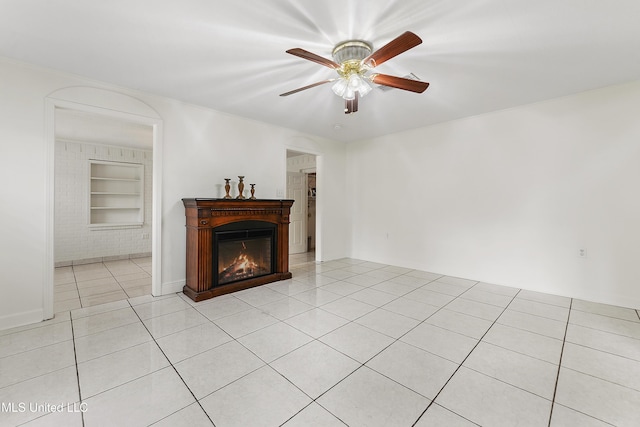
(353, 60)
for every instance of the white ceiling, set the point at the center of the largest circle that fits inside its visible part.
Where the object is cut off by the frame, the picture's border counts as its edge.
(478, 55)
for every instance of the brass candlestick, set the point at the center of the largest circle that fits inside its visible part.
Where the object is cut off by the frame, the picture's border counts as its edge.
(253, 192)
(240, 188)
(227, 187)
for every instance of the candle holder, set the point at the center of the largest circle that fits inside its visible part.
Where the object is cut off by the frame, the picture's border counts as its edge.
(227, 187)
(253, 192)
(240, 188)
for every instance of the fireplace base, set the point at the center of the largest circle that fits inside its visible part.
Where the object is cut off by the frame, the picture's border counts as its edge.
(205, 216)
(233, 287)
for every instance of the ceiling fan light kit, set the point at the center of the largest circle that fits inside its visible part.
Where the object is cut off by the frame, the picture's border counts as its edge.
(353, 61)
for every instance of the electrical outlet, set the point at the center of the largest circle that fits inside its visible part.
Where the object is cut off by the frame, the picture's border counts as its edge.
(582, 253)
(145, 235)
(279, 192)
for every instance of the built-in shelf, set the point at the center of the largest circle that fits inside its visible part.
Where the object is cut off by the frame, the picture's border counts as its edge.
(110, 207)
(114, 179)
(116, 194)
(113, 194)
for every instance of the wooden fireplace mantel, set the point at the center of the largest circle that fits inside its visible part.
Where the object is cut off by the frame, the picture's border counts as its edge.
(204, 215)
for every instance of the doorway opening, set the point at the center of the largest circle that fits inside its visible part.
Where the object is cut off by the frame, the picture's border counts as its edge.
(114, 153)
(102, 233)
(302, 187)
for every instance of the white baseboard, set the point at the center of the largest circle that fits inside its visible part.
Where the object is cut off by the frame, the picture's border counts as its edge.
(172, 287)
(21, 319)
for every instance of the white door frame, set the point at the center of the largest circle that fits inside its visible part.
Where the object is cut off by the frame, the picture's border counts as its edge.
(298, 214)
(319, 190)
(156, 212)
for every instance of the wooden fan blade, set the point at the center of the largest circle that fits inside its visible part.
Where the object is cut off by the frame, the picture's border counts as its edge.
(306, 87)
(400, 83)
(351, 105)
(313, 57)
(395, 47)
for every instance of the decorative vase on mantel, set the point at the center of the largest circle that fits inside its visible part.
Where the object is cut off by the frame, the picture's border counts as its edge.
(253, 192)
(240, 188)
(227, 187)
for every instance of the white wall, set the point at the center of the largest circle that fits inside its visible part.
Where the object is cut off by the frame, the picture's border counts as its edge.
(510, 197)
(74, 240)
(507, 197)
(200, 148)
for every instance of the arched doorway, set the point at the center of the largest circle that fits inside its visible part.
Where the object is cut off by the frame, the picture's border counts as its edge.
(114, 106)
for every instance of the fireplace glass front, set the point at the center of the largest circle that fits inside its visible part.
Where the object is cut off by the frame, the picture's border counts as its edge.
(243, 254)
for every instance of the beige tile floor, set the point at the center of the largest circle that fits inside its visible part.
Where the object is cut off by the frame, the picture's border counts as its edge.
(345, 342)
(91, 284)
(87, 285)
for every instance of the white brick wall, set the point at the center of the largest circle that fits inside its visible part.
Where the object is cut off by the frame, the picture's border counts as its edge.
(74, 240)
(303, 161)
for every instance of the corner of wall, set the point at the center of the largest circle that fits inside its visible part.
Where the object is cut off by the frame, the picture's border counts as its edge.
(21, 319)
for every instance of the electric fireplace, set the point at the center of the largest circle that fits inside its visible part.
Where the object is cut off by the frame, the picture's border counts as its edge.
(235, 244)
(243, 253)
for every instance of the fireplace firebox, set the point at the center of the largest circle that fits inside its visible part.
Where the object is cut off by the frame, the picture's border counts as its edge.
(244, 250)
(235, 244)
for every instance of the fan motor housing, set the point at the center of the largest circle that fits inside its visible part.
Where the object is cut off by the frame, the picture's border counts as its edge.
(351, 50)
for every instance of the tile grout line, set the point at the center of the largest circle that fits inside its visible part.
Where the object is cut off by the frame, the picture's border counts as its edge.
(466, 357)
(395, 340)
(609, 316)
(113, 276)
(75, 280)
(115, 279)
(53, 371)
(266, 364)
(315, 400)
(398, 340)
(75, 358)
(174, 369)
(160, 348)
(564, 340)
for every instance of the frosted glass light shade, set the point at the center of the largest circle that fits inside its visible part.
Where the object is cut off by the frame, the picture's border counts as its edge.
(364, 87)
(346, 87)
(339, 87)
(349, 93)
(354, 81)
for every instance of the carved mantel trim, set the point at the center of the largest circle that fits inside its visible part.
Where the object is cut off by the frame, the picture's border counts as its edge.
(204, 215)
